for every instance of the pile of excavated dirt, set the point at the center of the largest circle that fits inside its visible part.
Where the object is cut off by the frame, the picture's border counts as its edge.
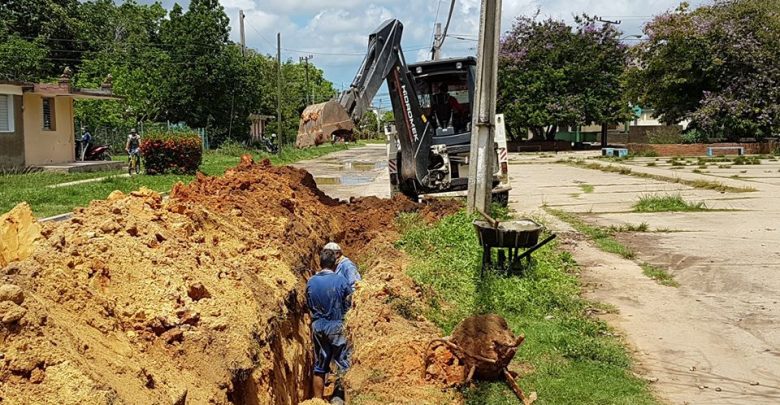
(195, 300)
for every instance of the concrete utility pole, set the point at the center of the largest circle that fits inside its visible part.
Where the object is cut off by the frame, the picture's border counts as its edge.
(279, 88)
(483, 122)
(305, 61)
(438, 40)
(241, 17)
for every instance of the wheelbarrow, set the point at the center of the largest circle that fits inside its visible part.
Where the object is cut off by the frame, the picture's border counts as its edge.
(514, 241)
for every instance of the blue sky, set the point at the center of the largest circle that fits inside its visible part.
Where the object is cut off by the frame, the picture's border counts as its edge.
(335, 32)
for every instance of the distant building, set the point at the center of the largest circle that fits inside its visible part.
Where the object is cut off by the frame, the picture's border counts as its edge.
(259, 123)
(36, 121)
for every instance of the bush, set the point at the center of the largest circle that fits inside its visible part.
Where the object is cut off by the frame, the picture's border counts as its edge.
(171, 152)
(663, 135)
(694, 136)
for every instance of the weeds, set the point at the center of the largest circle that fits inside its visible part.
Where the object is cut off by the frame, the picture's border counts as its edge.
(643, 227)
(666, 203)
(602, 237)
(703, 184)
(651, 164)
(587, 188)
(747, 160)
(658, 274)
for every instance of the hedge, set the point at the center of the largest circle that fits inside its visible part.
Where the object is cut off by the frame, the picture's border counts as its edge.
(171, 152)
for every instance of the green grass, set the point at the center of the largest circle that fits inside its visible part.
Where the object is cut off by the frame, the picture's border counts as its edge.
(587, 188)
(667, 203)
(46, 202)
(568, 357)
(661, 276)
(602, 237)
(702, 184)
(643, 227)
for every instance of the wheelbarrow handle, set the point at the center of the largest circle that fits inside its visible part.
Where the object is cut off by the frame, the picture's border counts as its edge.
(490, 219)
(537, 246)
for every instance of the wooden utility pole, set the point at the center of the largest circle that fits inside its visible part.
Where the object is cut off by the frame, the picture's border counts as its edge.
(279, 88)
(305, 61)
(241, 17)
(483, 122)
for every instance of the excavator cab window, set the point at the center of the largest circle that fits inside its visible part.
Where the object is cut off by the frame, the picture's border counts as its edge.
(446, 99)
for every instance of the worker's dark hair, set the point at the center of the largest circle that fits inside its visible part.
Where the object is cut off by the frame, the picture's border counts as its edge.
(444, 87)
(328, 259)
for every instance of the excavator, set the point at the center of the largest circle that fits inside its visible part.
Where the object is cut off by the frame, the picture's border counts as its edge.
(428, 155)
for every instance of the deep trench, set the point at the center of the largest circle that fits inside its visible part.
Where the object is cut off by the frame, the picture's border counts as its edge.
(287, 347)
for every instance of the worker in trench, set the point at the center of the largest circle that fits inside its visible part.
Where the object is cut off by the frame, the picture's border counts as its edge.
(344, 266)
(329, 297)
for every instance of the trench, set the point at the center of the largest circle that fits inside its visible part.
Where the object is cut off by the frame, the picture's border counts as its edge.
(284, 359)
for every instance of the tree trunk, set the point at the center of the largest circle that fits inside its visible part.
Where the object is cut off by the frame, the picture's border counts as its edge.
(538, 133)
(604, 142)
(551, 133)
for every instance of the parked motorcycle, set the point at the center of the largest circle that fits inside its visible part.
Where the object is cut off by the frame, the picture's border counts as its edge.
(94, 152)
(269, 145)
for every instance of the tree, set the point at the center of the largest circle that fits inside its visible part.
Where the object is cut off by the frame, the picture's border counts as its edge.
(369, 124)
(551, 75)
(715, 65)
(49, 24)
(21, 59)
(388, 117)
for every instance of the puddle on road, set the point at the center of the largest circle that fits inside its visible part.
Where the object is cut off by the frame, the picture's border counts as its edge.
(356, 166)
(346, 180)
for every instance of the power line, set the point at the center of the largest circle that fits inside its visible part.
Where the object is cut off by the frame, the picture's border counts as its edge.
(435, 19)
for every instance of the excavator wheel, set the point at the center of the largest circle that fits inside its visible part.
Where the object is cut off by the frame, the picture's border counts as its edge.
(501, 198)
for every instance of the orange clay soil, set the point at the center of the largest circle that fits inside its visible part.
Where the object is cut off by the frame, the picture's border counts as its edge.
(198, 299)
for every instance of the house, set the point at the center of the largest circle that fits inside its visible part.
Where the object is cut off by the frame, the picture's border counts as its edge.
(36, 121)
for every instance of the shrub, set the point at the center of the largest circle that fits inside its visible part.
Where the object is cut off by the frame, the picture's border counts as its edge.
(171, 152)
(694, 136)
(662, 135)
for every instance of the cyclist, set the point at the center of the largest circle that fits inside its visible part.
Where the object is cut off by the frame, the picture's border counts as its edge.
(133, 146)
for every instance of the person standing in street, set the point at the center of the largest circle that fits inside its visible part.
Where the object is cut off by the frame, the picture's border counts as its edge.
(328, 296)
(344, 266)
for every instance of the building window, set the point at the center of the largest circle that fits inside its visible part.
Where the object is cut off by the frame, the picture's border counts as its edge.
(6, 113)
(48, 114)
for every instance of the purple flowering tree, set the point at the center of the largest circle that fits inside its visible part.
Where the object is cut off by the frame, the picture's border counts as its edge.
(718, 66)
(551, 74)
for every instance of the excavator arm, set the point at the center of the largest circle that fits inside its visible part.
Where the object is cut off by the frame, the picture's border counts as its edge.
(385, 62)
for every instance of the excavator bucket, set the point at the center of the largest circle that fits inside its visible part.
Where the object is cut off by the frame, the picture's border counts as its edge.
(319, 122)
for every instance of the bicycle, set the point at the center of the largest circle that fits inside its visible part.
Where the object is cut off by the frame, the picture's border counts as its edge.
(134, 162)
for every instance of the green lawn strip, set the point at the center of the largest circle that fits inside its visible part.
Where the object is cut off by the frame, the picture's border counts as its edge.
(667, 203)
(702, 184)
(661, 276)
(602, 237)
(46, 202)
(568, 357)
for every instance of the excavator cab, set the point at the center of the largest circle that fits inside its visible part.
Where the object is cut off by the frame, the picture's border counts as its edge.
(445, 91)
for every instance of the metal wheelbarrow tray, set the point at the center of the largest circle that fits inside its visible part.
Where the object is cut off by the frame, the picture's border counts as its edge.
(512, 235)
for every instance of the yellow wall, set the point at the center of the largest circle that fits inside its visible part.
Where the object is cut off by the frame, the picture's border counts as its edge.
(47, 147)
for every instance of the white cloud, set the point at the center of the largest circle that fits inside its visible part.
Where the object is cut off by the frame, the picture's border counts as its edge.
(341, 27)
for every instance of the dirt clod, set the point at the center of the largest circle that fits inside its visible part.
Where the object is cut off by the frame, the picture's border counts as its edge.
(10, 312)
(10, 292)
(198, 292)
